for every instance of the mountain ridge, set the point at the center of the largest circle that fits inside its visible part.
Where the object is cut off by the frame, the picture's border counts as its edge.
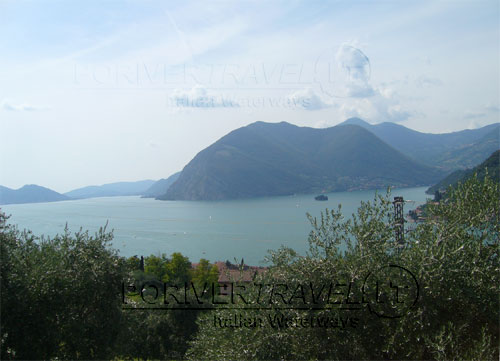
(30, 193)
(490, 165)
(267, 159)
(136, 188)
(160, 187)
(449, 151)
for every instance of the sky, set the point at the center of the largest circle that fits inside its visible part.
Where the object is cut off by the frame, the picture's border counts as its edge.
(93, 92)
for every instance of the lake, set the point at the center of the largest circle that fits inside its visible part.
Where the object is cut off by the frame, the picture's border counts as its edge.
(217, 231)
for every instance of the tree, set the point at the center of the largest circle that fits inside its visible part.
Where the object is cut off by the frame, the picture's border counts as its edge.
(141, 264)
(134, 263)
(3, 220)
(156, 266)
(437, 195)
(454, 256)
(60, 297)
(178, 269)
(153, 333)
(205, 273)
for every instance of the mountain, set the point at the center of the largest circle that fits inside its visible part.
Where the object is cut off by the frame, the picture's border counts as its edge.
(491, 165)
(449, 151)
(161, 186)
(471, 154)
(111, 190)
(266, 159)
(29, 193)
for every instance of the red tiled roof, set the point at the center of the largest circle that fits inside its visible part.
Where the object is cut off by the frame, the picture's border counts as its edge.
(229, 272)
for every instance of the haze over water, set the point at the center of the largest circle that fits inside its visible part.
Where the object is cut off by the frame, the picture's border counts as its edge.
(217, 231)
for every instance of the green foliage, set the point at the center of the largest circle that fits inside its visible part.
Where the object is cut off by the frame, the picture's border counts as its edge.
(133, 263)
(453, 255)
(205, 273)
(156, 334)
(178, 270)
(59, 297)
(156, 266)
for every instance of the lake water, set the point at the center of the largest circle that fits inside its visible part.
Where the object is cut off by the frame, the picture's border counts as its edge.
(217, 231)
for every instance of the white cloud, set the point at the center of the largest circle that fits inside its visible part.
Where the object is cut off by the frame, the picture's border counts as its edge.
(476, 120)
(481, 116)
(424, 81)
(474, 115)
(397, 113)
(344, 72)
(383, 106)
(386, 92)
(492, 108)
(488, 109)
(355, 71)
(200, 97)
(308, 99)
(10, 105)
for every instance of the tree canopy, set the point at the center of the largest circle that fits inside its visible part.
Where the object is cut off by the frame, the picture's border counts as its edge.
(61, 297)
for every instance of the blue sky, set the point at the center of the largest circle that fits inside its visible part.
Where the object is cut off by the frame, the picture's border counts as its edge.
(95, 92)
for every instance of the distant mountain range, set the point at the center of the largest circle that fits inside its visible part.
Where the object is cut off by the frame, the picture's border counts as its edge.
(448, 151)
(161, 186)
(111, 190)
(34, 194)
(267, 159)
(29, 193)
(490, 165)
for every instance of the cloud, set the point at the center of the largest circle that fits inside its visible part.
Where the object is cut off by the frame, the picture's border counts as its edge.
(487, 111)
(425, 60)
(308, 99)
(344, 72)
(424, 81)
(474, 115)
(492, 108)
(383, 106)
(9, 105)
(355, 71)
(200, 97)
(477, 121)
(352, 86)
(387, 92)
(397, 113)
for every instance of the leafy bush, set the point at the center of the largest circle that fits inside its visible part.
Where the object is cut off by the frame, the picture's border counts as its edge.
(59, 296)
(453, 255)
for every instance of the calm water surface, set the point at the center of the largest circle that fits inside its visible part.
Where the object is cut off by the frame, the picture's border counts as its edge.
(214, 230)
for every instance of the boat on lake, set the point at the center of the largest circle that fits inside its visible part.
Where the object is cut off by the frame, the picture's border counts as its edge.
(321, 197)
